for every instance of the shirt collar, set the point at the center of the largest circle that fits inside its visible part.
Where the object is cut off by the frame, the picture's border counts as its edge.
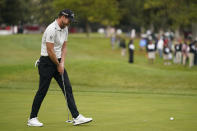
(57, 26)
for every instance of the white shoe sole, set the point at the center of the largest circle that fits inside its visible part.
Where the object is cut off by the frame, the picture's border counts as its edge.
(34, 125)
(75, 124)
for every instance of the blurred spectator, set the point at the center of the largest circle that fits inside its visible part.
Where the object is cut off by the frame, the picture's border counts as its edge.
(165, 41)
(195, 57)
(178, 52)
(185, 52)
(191, 54)
(119, 31)
(131, 51)
(123, 46)
(101, 31)
(15, 29)
(160, 46)
(109, 31)
(170, 55)
(171, 36)
(169, 43)
(113, 41)
(133, 34)
(150, 48)
(148, 32)
(143, 42)
(166, 54)
(20, 29)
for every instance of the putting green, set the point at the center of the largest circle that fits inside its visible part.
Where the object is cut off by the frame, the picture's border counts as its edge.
(118, 95)
(110, 111)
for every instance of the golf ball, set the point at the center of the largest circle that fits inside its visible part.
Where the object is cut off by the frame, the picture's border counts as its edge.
(171, 118)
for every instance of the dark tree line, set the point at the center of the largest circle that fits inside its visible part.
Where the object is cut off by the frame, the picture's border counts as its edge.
(157, 14)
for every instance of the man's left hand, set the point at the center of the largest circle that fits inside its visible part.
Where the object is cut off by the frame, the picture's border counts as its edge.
(60, 68)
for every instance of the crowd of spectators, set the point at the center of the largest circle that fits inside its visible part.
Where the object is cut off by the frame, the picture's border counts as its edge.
(165, 46)
(170, 49)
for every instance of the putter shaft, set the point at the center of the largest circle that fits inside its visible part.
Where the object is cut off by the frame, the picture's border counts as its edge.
(68, 121)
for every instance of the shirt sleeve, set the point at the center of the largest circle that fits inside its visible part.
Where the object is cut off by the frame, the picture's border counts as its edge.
(50, 36)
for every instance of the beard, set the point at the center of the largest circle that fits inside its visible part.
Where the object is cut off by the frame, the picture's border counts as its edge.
(63, 25)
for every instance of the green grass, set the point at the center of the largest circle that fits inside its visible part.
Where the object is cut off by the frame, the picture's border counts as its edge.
(118, 95)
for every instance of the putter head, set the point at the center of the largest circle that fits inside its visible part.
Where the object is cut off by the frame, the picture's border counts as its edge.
(69, 121)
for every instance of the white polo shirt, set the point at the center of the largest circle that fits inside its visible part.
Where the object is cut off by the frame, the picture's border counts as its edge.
(54, 34)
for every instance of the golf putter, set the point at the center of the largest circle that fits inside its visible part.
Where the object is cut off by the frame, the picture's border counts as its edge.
(68, 121)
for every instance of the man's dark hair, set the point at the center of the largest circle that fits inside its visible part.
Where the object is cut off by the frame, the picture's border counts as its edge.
(60, 15)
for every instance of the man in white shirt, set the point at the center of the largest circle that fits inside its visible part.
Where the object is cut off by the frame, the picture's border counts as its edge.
(160, 47)
(51, 65)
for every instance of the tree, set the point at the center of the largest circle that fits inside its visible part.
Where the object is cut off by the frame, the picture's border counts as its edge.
(105, 12)
(2, 6)
(171, 13)
(132, 12)
(44, 12)
(14, 11)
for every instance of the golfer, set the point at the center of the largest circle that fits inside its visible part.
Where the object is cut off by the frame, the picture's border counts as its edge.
(51, 65)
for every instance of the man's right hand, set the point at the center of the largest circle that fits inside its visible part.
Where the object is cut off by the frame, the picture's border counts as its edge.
(60, 68)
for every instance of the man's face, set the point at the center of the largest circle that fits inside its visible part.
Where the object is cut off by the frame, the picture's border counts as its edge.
(64, 22)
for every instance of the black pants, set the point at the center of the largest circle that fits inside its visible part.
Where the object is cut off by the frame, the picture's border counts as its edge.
(47, 71)
(131, 52)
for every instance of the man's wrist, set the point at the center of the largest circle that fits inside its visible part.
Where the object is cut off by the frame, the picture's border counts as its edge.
(58, 64)
(61, 63)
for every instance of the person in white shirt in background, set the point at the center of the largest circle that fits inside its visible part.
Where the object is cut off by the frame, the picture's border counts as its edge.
(160, 46)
